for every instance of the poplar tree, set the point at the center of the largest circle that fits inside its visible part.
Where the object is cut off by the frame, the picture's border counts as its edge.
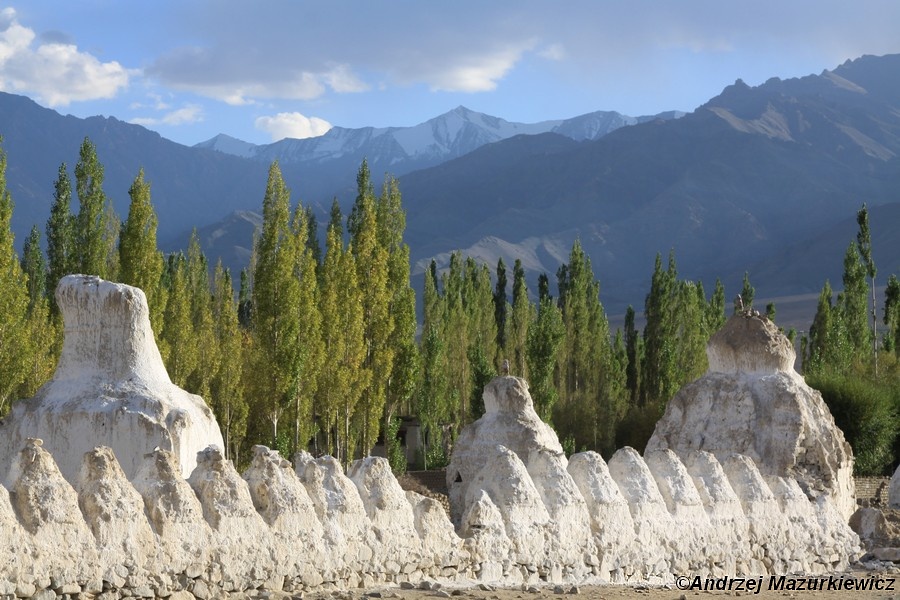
(852, 301)
(591, 381)
(864, 246)
(310, 353)
(207, 350)
(61, 251)
(522, 316)
(391, 219)
(15, 341)
(433, 398)
(226, 392)
(544, 338)
(178, 344)
(822, 342)
(479, 304)
(312, 234)
(43, 330)
(747, 292)
(35, 269)
(715, 313)
(632, 369)
(891, 314)
(140, 262)
(658, 362)
(501, 306)
(342, 376)
(91, 231)
(456, 336)
(275, 298)
(371, 261)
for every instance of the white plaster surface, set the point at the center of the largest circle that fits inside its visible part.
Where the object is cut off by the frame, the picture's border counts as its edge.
(110, 388)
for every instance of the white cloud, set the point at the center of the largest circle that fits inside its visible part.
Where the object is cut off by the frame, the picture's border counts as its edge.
(55, 73)
(342, 80)
(292, 125)
(232, 77)
(475, 72)
(553, 52)
(191, 113)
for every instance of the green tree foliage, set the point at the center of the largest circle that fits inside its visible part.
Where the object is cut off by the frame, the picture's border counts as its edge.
(864, 247)
(202, 323)
(61, 250)
(92, 235)
(140, 262)
(275, 318)
(482, 373)
(545, 337)
(372, 268)
(16, 343)
(891, 314)
(659, 366)
(342, 377)
(43, 330)
(852, 303)
(310, 348)
(866, 412)
(747, 292)
(632, 355)
(522, 316)
(401, 384)
(715, 314)
(591, 382)
(501, 307)
(433, 397)
(177, 343)
(433, 404)
(226, 389)
(822, 342)
(456, 333)
(35, 269)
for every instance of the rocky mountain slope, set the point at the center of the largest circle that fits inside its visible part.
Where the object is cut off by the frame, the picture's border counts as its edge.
(753, 177)
(729, 187)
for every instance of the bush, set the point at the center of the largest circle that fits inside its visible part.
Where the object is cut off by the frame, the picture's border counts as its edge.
(866, 411)
(395, 454)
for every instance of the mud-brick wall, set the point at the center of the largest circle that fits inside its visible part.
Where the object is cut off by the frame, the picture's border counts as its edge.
(873, 490)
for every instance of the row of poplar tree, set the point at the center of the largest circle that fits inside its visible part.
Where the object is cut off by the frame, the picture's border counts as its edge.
(319, 349)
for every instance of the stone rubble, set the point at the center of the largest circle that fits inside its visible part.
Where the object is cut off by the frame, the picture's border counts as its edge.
(522, 513)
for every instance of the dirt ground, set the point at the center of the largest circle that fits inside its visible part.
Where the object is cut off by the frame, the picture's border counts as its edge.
(886, 579)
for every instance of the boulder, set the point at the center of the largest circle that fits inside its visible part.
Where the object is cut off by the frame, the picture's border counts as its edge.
(752, 402)
(110, 388)
(894, 490)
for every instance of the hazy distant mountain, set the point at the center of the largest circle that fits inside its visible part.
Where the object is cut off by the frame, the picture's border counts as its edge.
(189, 186)
(766, 179)
(403, 149)
(728, 186)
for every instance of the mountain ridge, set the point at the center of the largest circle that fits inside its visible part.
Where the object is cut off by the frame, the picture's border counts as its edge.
(734, 185)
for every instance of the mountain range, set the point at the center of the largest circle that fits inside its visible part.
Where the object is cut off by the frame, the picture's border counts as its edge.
(764, 179)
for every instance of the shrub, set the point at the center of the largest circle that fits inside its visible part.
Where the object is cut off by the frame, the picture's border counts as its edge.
(866, 412)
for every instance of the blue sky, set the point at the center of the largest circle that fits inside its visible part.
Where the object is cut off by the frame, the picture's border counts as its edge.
(268, 69)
